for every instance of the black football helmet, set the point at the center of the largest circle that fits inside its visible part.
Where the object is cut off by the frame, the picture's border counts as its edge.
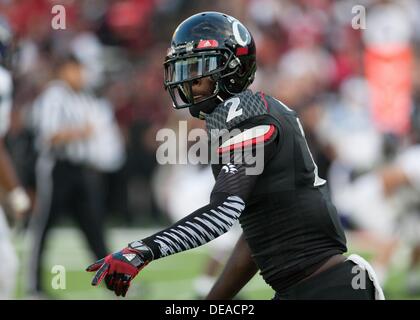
(209, 44)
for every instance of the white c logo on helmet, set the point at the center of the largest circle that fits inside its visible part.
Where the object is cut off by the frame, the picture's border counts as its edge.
(241, 34)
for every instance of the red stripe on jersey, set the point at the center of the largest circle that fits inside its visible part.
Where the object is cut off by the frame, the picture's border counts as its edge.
(246, 143)
(264, 100)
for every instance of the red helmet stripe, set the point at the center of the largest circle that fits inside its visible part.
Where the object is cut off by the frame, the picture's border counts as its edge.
(241, 51)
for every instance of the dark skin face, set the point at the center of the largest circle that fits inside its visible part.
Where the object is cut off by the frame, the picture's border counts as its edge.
(202, 88)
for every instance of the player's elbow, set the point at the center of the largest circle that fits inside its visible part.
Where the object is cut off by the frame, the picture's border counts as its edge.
(228, 209)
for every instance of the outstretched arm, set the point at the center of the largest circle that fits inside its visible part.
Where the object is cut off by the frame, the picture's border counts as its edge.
(233, 186)
(239, 269)
(196, 229)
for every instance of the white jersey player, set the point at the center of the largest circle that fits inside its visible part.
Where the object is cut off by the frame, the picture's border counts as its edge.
(385, 206)
(14, 197)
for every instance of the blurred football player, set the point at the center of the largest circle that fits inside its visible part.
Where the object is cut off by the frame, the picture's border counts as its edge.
(15, 198)
(384, 206)
(291, 231)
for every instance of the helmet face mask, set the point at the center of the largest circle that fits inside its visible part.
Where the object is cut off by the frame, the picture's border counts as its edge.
(209, 45)
(183, 71)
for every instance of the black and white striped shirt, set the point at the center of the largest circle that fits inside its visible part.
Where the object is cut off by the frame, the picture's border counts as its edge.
(59, 107)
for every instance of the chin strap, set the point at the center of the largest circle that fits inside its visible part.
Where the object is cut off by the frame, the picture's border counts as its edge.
(202, 115)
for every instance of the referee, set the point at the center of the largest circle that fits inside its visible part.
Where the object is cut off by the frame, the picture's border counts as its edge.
(65, 180)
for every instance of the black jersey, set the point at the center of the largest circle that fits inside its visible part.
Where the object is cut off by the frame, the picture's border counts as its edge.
(289, 222)
(265, 178)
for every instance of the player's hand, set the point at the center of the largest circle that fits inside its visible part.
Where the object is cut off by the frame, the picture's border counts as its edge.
(18, 201)
(119, 268)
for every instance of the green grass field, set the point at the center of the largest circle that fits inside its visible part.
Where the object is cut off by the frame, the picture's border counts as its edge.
(169, 278)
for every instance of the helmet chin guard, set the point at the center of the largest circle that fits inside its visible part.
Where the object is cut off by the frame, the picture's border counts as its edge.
(205, 107)
(209, 44)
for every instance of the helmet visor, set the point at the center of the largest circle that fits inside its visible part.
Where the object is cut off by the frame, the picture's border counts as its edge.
(180, 70)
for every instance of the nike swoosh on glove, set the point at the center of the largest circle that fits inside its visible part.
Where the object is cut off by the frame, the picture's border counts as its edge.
(119, 268)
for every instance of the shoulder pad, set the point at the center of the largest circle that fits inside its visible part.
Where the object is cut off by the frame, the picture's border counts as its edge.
(237, 109)
(250, 137)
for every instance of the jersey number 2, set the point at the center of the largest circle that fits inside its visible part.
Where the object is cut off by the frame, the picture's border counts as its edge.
(233, 110)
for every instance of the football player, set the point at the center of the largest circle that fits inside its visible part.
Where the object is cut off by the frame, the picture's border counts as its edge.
(15, 198)
(291, 231)
(384, 205)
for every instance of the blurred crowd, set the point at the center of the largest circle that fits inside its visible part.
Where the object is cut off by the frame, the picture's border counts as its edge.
(322, 58)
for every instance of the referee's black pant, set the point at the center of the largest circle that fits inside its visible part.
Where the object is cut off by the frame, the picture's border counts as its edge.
(64, 187)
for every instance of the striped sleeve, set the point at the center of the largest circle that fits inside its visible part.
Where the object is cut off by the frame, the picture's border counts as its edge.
(198, 228)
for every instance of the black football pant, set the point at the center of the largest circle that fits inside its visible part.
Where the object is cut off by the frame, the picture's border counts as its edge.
(63, 187)
(341, 282)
